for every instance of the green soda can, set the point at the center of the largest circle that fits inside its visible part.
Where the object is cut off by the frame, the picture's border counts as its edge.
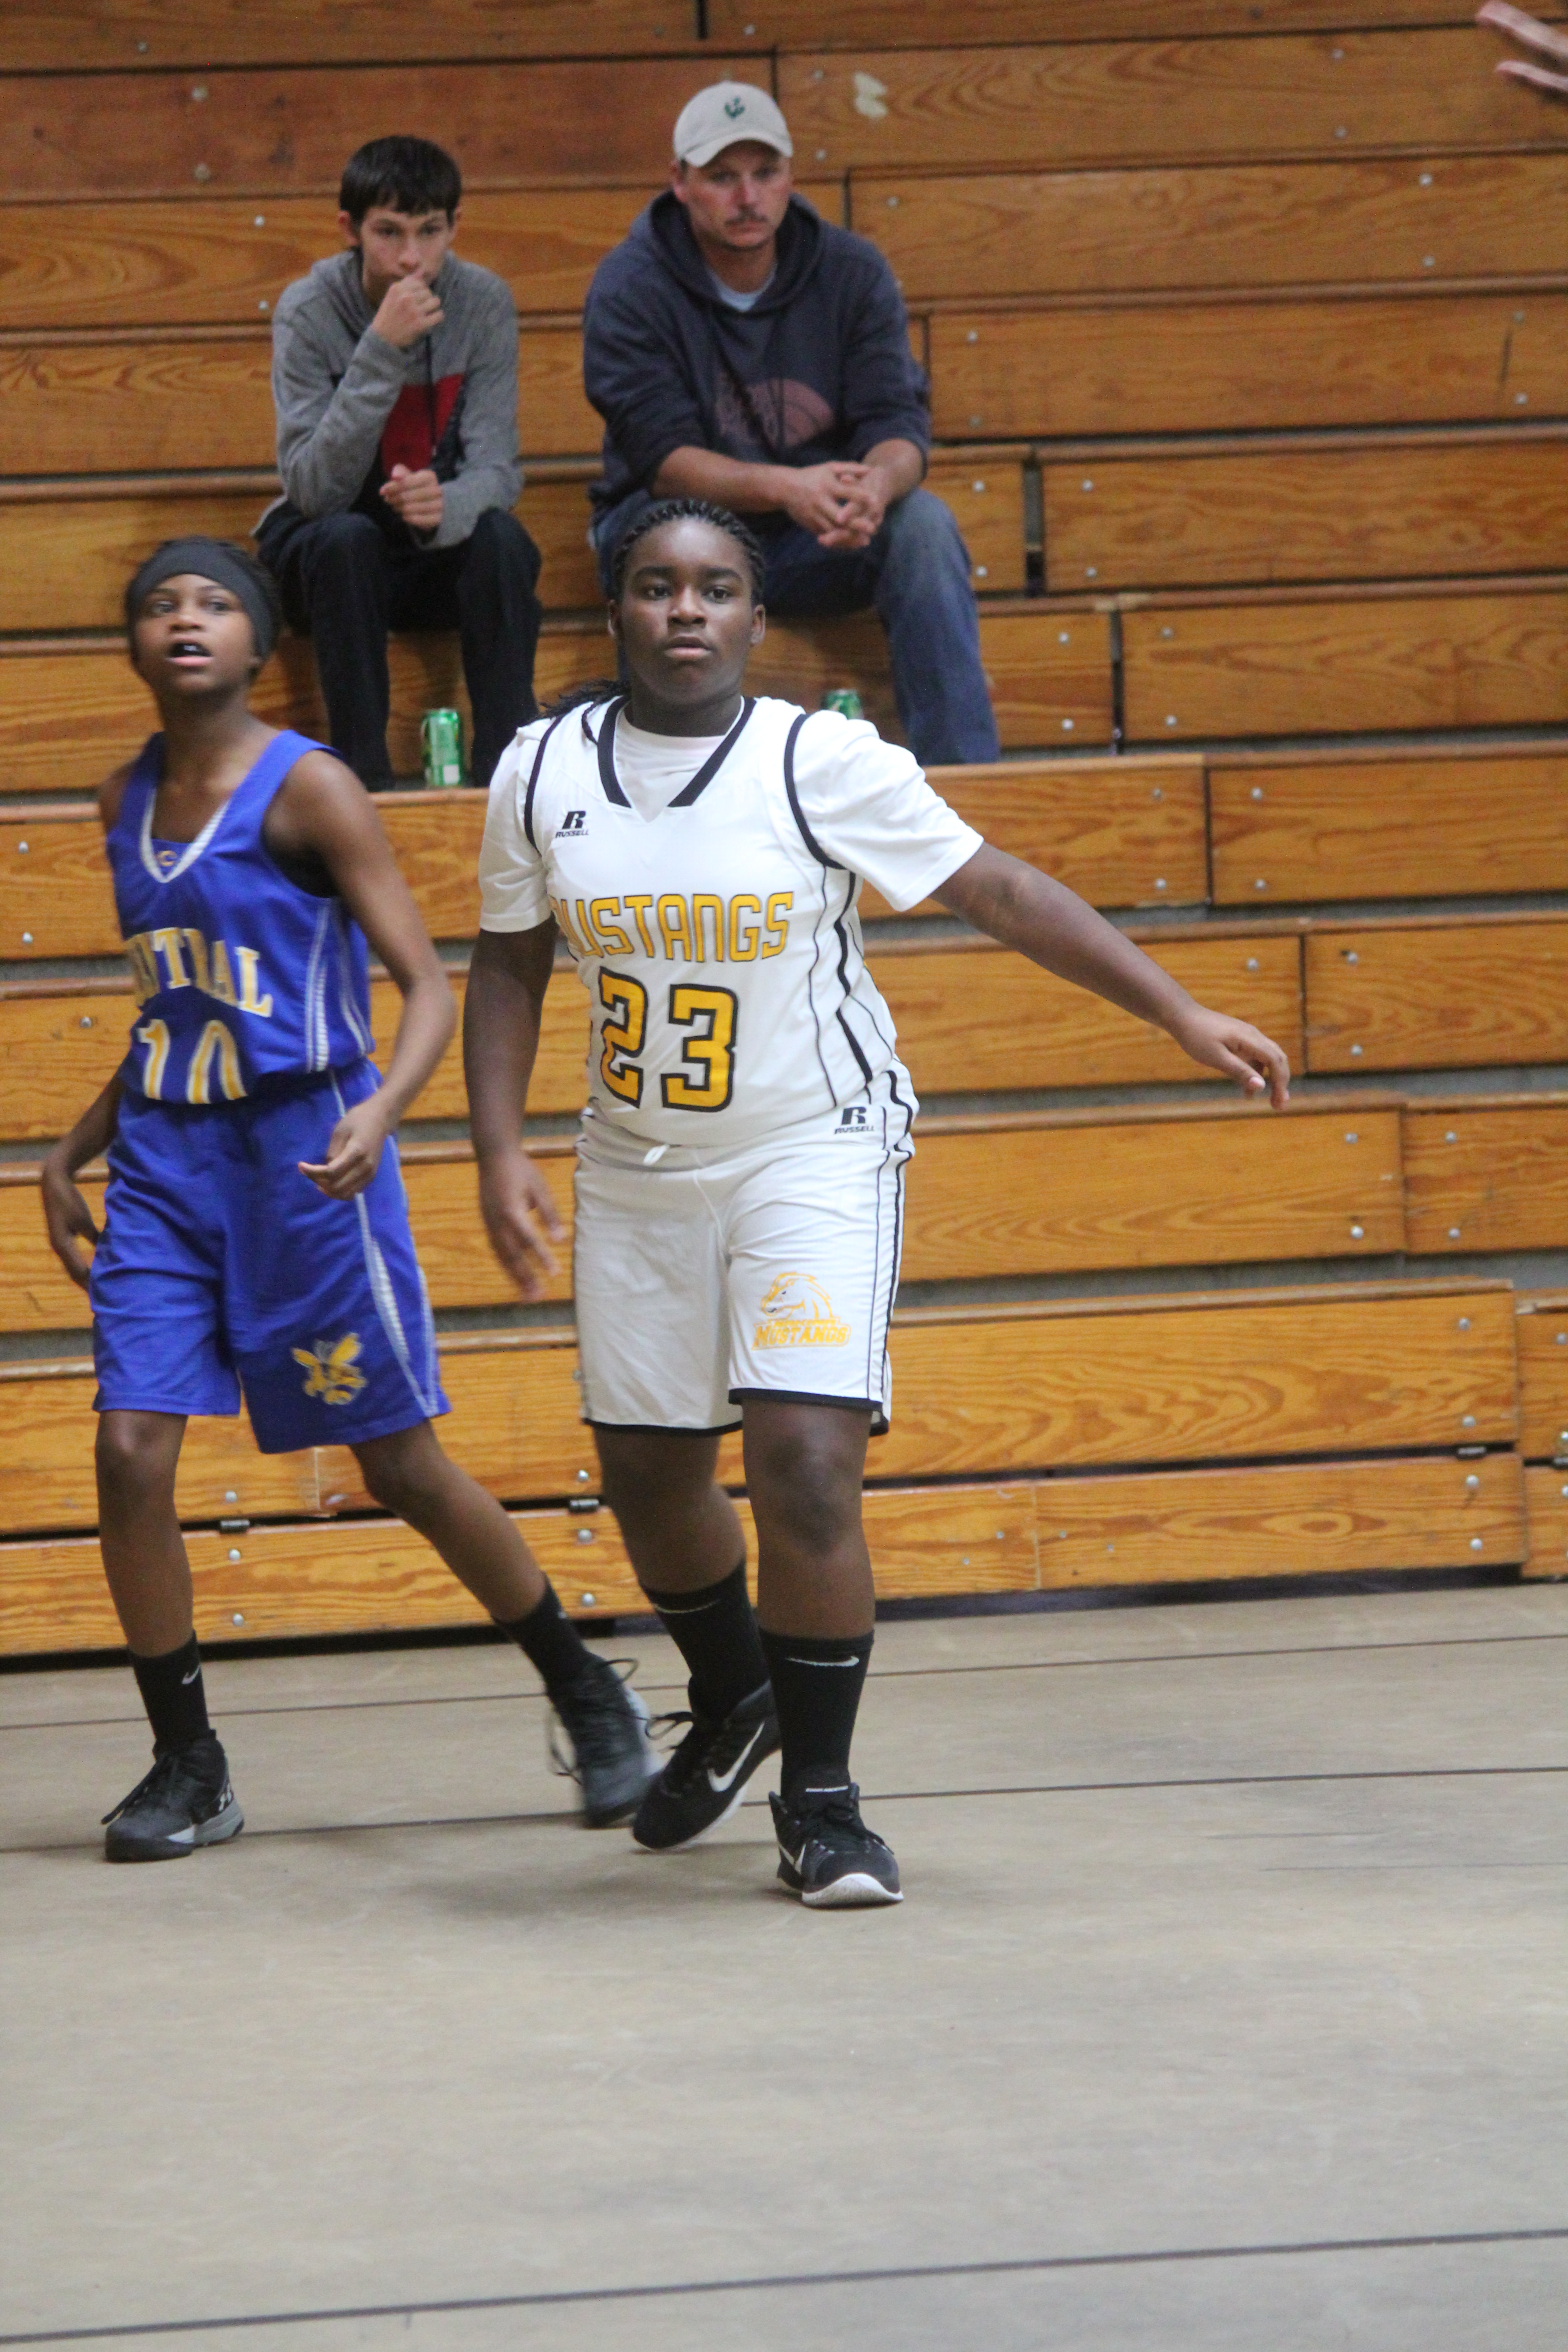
(441, 732)
(845, 700)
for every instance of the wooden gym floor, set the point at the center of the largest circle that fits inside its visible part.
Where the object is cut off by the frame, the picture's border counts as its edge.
(1226, 2008)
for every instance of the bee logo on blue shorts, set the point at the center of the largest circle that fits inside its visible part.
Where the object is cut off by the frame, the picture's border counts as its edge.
(329, 1369)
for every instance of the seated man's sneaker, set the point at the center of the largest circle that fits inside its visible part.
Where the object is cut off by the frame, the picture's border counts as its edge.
(611, 1760)
(706, 1778)
(827, 1854)
(185, 1802)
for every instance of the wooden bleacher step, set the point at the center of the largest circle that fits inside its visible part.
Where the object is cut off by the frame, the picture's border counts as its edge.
(375, 1576)
(66, 550)
(143, 135)
(856, 24)
(204, 261)
(1486, 1173)
(1457, 504)
(1119, 832)
(1030, 1193)
(41, 36)
(70, 707)
(968, 237)
(989, 1020)
(1285, 95)
(1543, 1335)
(1346, 660)
(1294, 828)
(1000, 1391)
(1464, 992)
(153, 401)
(1389, 994)
(109, 33)
(1542, 1328)
(1267, 363)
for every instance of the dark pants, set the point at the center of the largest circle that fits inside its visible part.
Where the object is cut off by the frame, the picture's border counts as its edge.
(916, 574)
(346, 581)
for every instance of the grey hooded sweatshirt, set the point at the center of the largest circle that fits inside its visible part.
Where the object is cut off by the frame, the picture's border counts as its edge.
(350, 406)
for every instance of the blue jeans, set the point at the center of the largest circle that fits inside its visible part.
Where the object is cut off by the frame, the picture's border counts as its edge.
(916, 574)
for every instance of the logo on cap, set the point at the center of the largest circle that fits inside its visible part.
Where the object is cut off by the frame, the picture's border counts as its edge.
(734, 108)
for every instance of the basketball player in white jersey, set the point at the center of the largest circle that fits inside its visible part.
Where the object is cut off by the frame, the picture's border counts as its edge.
(739, 1171)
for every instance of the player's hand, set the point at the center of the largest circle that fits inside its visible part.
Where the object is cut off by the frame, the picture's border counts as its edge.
(69, 1220)
(1529, 29)
(408, 309)
(521, 1220)
(1221, 1042)
(415, 497)
(354, 1153)
(818, 499)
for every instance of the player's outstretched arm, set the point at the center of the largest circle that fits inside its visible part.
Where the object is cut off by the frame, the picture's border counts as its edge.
(65, 1212)
(1529, 29)
(324, 812)
(501, 1013)
(1054, 927)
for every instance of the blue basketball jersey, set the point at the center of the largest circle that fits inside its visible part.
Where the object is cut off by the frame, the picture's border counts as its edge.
(241, 976)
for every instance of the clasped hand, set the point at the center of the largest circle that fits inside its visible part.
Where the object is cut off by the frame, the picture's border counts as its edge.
(842, 503)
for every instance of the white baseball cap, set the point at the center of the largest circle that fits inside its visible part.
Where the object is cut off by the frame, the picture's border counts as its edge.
(730, 110)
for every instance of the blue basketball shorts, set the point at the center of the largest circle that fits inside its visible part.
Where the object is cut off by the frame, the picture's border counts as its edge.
(223, 1268)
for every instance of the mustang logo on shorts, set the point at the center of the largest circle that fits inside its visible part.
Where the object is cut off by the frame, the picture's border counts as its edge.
(798, 1313)
(330, 1368)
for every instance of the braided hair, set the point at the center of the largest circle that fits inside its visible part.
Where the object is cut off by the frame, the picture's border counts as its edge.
(663, 510)
(654, 518)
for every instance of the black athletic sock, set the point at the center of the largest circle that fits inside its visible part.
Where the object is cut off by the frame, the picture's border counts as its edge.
(171, 1692)
(817, 1690)
(550, 1641)
(715, 1630)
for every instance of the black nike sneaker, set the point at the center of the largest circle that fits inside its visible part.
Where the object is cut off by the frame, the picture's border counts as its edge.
(827, 1854)
(185, 1802)
(706, 1778)
(606, 1723)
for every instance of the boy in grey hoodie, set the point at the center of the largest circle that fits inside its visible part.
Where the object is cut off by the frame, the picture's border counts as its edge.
(394, 377)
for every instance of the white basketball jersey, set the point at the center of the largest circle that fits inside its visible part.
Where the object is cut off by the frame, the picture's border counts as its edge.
(717, 940)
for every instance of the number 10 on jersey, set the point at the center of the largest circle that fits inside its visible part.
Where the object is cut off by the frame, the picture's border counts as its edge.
(709, 1017)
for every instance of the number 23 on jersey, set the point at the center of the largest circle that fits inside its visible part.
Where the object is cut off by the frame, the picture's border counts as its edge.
(709, 1019)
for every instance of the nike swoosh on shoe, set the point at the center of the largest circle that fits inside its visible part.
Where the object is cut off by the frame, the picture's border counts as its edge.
(719, 1782)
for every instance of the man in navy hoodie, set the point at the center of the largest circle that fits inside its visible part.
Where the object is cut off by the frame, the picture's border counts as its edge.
(741, 349)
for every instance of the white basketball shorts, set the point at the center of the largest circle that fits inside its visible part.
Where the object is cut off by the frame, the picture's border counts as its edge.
(704, 1277)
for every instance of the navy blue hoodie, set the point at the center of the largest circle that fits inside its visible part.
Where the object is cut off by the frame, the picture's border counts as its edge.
(819, 368)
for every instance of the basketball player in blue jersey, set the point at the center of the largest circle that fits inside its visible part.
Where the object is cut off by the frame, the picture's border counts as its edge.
(740, 1174)
(255, 1230)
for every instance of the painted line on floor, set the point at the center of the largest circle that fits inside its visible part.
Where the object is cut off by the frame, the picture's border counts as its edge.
(1427, 2241)
(884, 1673)
(883, 1797)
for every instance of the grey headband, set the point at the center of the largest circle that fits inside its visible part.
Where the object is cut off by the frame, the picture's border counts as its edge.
(210, 558)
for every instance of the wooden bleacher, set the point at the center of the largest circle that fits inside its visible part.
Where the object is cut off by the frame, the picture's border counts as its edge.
(998, 1194)
(1127, 832)
(961, 239)
(1234, 1381)
(1289, 297)
(1444, 819)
